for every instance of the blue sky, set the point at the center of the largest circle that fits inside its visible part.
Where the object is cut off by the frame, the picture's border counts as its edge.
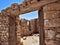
(6, 3)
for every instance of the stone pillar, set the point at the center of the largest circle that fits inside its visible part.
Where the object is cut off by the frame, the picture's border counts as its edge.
(52, 23)
(41, 27)
(12, 31)
(32, 26)
(18, 32)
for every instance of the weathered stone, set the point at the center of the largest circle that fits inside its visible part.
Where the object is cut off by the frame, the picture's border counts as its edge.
(51, 14)
(4, 29)
(52, 23)
(52, 7)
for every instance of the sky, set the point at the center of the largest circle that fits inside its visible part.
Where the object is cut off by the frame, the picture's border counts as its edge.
(6, 3)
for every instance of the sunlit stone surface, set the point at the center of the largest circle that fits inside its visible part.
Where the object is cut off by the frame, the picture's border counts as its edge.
(31, 40)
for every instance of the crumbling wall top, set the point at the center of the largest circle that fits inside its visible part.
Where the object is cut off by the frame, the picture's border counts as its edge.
(27, 6)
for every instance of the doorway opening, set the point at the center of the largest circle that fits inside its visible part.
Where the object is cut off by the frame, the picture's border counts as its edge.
(29, 28)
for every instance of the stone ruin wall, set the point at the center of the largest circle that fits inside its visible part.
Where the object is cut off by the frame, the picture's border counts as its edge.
(7, 30)
(51, 25)
(4, 29)
(28, 27)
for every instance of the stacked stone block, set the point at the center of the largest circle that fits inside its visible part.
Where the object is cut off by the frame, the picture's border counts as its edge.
(24, 27)
(26, 4)
(18, 30)
(52, 23)
(7, 30)
(31, 1)
(4, 29)
(32, 26)
(29, 27)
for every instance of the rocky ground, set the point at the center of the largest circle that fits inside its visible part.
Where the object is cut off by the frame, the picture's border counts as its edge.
(31, 40)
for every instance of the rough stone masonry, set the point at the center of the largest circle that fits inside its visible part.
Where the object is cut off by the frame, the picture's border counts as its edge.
(9, 21)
